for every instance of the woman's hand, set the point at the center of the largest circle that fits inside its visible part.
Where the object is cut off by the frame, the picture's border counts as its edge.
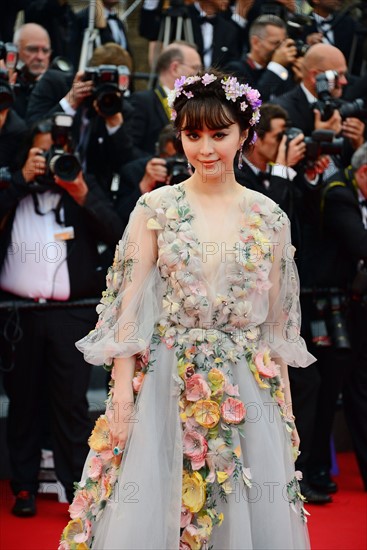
(121, 416)
(295, 438)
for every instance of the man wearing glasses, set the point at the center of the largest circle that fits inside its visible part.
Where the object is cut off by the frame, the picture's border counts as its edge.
(151, 108)
(34, 50)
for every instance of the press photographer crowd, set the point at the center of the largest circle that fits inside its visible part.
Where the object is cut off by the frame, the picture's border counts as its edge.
(81, 139)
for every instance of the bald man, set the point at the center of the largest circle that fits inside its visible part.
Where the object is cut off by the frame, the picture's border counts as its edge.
(34, 48)
(298, 102)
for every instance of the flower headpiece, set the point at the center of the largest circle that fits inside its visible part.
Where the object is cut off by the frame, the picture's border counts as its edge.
(232, 89)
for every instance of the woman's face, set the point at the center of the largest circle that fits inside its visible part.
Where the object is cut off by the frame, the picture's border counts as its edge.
(211, 152)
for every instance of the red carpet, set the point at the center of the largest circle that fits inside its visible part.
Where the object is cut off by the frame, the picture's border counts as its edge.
(341, 525)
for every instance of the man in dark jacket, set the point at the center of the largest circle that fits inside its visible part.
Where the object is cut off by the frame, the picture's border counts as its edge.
(50, 237)
(272, 60)
(340, 256)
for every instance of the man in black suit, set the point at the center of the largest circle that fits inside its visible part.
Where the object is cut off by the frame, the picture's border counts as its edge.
(104, 140)
(34, 50)
(341, 256)
(59, 19)
(272, 60)
(299, 101)
(110, 27)
(151, 111)
(332, 25)
(218, 39)
(49, 254)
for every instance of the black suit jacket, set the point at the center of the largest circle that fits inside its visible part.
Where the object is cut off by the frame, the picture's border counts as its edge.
(12, 135)
(61, 23)
(149, 119)
(331, 260)
(227, 35)
(345, 31)
(267, 82)
(105, 34)
(300, 112)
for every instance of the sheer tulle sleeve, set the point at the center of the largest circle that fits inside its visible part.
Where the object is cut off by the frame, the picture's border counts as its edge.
(130, 305)
(282, 327)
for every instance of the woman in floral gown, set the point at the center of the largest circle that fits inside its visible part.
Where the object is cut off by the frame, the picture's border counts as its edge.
(198, 323)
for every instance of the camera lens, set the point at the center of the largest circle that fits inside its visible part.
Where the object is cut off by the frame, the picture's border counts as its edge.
(65, 166)
(109, 102)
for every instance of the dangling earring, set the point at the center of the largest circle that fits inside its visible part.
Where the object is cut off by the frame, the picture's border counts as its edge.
(240, 156)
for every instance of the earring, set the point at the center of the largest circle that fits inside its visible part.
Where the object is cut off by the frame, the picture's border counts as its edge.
(240, 156)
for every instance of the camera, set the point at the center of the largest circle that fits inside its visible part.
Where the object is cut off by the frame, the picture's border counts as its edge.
(109, 84)
(301, 47)
(326, 104)
(295, 23)
(9, 54)
(177, 169)
(321, 142)
(6, 92)
(61, 160)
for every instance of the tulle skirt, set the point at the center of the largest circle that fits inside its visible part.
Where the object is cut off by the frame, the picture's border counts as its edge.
(145, 508)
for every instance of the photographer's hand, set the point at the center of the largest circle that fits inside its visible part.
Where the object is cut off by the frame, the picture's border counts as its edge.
(155, 171)
(35, 165)
(77, 189)
(314, 38)
(286, 53)
(353, 129)
(296, 150)
(80, 89)
(317, 168)
(296, 68)
(334, 123)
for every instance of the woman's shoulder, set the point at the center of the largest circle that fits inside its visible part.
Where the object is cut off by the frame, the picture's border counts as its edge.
(160, 198)
(266, 208)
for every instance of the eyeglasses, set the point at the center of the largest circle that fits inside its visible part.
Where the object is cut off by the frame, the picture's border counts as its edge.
(195, 68)
(36, 49)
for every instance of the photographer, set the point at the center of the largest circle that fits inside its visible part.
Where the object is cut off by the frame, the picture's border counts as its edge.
(272, 64)
(103, 119)
(340, 255)
(331, 24)
(53, 221)
(34, 50)
(303, 106)
(143, 175)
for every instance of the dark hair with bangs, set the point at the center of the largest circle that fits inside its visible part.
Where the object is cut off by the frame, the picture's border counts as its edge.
(209, 107)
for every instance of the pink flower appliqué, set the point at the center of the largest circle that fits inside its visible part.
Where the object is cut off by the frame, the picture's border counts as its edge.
(265, 366)
(197, 388)
(186, 517)
(95, 468)
(195, 448)
(233, 411)
(79, 507)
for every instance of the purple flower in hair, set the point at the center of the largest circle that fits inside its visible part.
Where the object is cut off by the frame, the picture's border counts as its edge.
(208, 79)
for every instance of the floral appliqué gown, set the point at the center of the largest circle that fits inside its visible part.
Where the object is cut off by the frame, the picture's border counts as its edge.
(209, 306)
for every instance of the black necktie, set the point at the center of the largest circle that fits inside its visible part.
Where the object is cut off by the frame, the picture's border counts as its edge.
(113, 16)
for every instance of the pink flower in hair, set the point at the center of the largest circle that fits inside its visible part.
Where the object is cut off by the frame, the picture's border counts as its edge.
(208, 79)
